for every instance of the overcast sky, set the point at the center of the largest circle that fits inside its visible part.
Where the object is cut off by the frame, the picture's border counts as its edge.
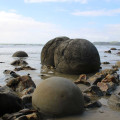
(37, 21)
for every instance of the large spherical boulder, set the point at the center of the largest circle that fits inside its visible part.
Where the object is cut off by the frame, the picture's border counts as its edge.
(58, 96)
(76, 56)
(47, 54)
(20, 54)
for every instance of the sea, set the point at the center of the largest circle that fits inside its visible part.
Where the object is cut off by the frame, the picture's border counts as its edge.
(34, 52)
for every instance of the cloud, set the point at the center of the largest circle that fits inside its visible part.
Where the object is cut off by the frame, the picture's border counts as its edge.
(103, 12)
(39, 1)
(15, 28)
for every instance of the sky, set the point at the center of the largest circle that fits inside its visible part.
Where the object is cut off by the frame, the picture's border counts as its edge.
(38, 21)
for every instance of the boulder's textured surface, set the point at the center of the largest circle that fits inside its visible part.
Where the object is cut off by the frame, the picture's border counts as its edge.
(20, 54)
(58, 96)
(47, 54)
(76, 56)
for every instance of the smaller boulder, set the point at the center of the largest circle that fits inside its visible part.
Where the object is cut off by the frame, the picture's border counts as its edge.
(109, 51)
(20, 54)
(113, 49)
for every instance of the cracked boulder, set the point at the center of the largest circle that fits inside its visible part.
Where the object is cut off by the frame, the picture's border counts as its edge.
(76, 56)
(47, 54)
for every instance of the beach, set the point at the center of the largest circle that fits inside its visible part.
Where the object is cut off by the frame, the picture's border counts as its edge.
(38, 75)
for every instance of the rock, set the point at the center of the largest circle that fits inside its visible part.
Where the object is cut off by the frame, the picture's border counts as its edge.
(29, 90)
(105, 63)
(113, 49)
(2, 62)
(24, 68)
(118, 53)
(7, 71)
(19, 84)
(111, 78)
(20, 54)
(11, 73)
(86, 98)
(94, 105)
(76, 56)
(112, 87)
(118, 64)
(108, 88)
(82, 80)
(27, 101)
(115, 67)
(19, 63)
(93, 90)
(24, 114)
(109, 51)
(6, 89)
(95, 79)
(47, 54)
(9, 102)
(58, 96)
(102, 86)
(106, 72)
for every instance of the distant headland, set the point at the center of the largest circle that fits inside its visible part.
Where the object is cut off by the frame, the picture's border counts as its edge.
(107, 43)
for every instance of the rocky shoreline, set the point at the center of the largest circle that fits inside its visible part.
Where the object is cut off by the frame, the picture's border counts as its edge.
(16, 95)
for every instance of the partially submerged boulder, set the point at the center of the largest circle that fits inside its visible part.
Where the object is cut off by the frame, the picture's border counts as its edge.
(71, 56)
(58, 96)
(20, 54)
(76, 56)
(47, 54)
(113, 49)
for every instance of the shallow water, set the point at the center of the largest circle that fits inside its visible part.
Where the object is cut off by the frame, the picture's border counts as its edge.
(33, 60)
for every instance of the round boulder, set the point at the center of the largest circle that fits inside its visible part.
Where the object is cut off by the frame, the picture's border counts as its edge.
(47, 54)
(58, 96)
(20, 54)
(76, 56)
